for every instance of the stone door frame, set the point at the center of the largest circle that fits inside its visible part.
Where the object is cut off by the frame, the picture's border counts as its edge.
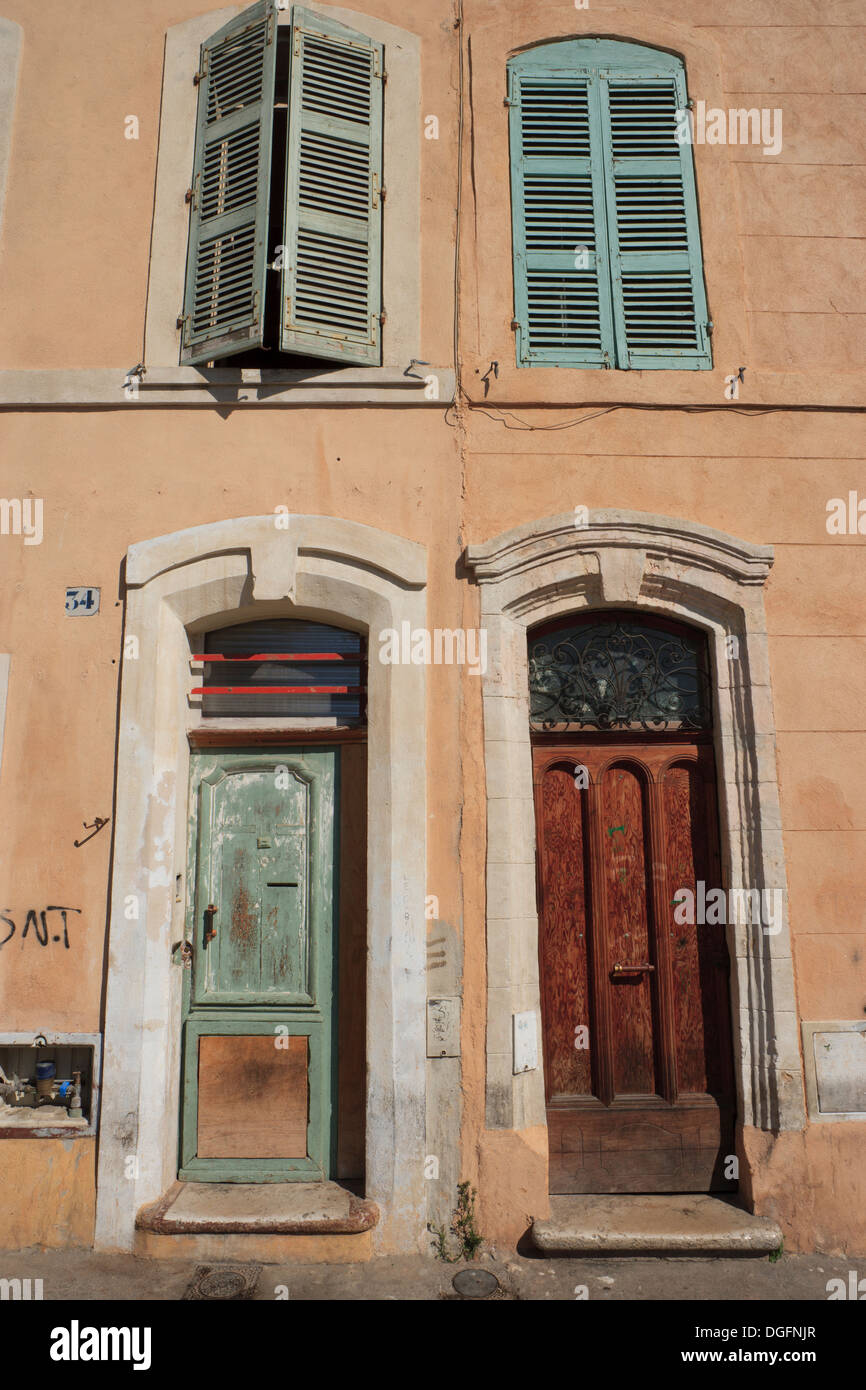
(239, 570)
(654, 564)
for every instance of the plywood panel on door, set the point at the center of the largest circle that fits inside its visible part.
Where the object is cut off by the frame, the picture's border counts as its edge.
(252, 1097)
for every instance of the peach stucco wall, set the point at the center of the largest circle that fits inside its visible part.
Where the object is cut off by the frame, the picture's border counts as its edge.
(785, 280)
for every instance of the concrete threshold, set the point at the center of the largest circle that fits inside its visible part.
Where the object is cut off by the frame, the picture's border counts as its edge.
(279, 1208)
(668, 1224)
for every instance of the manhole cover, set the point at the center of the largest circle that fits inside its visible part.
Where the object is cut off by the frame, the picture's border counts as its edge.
(221, 1282)
(475, 1283)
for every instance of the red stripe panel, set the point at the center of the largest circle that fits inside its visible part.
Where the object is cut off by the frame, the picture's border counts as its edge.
(278, 690)
(279, 656)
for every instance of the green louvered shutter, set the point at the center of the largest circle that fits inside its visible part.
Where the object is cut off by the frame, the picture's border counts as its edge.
(561, 283)
(332, 271)
(660, 307)
(223, 309)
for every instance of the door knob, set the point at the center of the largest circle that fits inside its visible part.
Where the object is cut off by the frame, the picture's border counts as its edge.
(210, 930)
(646, 968)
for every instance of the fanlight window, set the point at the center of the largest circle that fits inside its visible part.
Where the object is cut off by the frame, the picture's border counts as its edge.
(622, 672)
(286, 668)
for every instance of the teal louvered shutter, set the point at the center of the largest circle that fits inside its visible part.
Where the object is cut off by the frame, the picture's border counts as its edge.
(660, 307)
(561, 284)
(332, 271)
(223, 310)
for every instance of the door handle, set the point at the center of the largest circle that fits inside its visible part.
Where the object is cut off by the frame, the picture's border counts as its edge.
(210, 930)
(645, 969)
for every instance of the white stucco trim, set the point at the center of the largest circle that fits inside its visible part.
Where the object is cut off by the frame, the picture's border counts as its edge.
(548, 568)
(246, 388)
(401, 214)
(11, 35)
(341, 572)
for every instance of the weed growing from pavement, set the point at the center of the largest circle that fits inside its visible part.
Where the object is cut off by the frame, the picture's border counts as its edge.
(469, 1240)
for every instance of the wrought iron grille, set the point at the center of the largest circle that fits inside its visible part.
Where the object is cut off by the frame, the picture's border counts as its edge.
(618, 675)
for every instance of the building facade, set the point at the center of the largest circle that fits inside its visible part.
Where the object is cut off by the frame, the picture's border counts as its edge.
(432, 614)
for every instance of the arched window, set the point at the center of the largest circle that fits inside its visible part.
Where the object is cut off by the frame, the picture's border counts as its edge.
(607, 244)
(618, 671)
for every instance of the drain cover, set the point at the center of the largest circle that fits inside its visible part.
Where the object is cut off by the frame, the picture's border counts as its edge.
(223, 1282)
(475, 1283)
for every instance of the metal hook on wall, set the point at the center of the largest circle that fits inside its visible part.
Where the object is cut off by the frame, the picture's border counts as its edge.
(95, 828)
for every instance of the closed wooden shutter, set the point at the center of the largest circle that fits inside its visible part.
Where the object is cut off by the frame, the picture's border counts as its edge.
(332, 297)
(562, 294)
(223, 309)
(660, 309)
(607, 250)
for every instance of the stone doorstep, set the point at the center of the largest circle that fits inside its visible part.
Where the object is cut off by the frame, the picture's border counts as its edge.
(277, 1208)
(676, 1224)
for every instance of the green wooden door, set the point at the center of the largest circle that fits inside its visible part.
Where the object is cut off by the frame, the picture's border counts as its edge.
(258, 996)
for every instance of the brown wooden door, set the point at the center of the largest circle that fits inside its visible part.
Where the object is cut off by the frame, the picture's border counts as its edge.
(637, 1060)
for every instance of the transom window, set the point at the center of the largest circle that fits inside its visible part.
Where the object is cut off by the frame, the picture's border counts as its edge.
(287, 668)
(607, 248)
(618, 672)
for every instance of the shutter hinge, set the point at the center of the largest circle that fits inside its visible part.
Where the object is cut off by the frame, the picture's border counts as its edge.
(507, 101)
(383, 193)
(199, 76)
(383, 316)
(515, 324)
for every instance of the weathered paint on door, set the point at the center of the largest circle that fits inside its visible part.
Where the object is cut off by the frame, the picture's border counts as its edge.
(637, 1048)
(254, 839)
(261, 932)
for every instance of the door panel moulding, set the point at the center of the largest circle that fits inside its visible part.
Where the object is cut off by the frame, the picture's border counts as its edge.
(208, 576)
(549, 568)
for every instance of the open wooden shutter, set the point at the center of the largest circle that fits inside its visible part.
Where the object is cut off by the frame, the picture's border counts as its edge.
(660, 307)
(561, 285)
(223, 310)
(332, 272)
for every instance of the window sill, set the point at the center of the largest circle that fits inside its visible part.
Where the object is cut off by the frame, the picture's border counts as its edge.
(226, 386)
(26, 1122)
(517, 388)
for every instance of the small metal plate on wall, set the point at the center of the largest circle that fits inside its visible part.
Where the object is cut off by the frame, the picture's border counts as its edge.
(443, 1027)
(81, 601)
(525, 1042)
